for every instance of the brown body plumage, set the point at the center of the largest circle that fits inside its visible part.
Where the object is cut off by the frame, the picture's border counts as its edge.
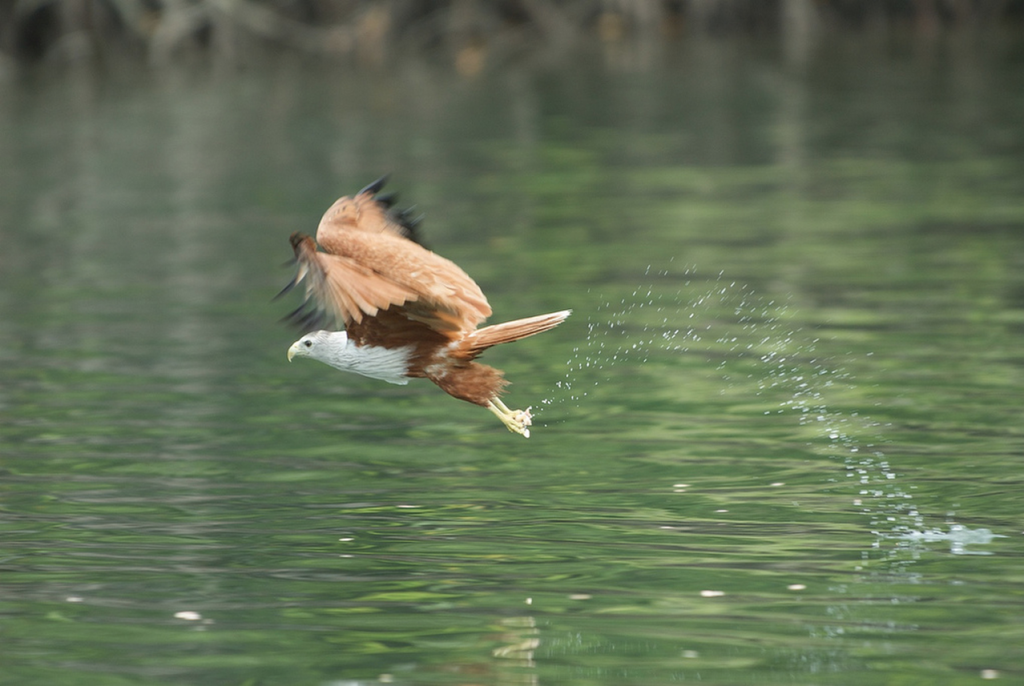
(407, 311)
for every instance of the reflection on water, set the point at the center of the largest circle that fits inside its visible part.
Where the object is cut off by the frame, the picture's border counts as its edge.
(754, 468)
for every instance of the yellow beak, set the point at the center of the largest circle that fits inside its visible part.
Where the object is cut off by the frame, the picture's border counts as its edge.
(292, 350)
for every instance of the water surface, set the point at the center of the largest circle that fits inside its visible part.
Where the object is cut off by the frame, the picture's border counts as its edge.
(779, 441)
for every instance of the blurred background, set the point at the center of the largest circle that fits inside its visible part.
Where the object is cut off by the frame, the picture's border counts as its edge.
(778, 442)
(471, 33)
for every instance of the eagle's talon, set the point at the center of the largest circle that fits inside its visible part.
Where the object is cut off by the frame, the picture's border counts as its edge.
(516, 421)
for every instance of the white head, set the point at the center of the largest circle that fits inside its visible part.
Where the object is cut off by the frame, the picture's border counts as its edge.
(334, 348)
(319, 345)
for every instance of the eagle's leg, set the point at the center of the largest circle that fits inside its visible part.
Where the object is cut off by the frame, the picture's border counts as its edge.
(517, 421)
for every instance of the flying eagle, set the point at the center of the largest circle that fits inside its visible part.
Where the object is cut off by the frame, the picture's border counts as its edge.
(407, 312)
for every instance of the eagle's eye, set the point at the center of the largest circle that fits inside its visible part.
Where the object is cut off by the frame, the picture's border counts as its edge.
(309, 344)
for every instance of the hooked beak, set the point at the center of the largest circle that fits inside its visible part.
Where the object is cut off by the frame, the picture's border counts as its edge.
(292, 350)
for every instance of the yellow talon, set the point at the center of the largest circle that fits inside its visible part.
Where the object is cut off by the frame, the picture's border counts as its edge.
(516, 421)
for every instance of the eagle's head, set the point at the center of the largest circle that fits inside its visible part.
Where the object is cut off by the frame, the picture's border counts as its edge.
(318, 345)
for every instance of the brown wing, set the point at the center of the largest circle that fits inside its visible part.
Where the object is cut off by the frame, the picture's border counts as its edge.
(368, 266)
(338, 288)
(370, 212)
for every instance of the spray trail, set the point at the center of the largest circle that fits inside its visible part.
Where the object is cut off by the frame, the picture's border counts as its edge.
(749, 342)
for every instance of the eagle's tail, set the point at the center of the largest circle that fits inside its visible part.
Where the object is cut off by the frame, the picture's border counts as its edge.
(482, 339)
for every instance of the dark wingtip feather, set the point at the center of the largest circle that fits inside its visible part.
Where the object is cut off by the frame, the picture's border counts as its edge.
(309, 315)
(404, 218)
(296, 314)
(296, 240)
(410, 224)
(287, 288)
(375, 187)
(305, 320)
(311, 321)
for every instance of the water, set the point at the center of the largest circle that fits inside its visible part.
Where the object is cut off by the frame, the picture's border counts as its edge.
(777, 443)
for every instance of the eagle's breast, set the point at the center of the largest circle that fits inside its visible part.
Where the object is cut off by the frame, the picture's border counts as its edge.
(376, 362)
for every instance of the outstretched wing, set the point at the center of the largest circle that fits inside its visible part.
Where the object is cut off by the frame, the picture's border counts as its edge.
(368, 265)
(369, 212)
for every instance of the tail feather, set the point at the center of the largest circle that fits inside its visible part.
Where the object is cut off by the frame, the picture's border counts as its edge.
(506, 332)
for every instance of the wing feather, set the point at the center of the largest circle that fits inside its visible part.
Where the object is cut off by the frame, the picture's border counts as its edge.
(338, 288)
(368, 212)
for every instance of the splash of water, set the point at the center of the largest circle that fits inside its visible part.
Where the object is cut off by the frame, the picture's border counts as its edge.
(612, 337)
(751, 345)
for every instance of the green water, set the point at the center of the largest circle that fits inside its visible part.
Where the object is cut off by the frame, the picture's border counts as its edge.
(768, 445)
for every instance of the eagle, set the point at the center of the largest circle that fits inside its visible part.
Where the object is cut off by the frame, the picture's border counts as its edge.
(407, 312)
